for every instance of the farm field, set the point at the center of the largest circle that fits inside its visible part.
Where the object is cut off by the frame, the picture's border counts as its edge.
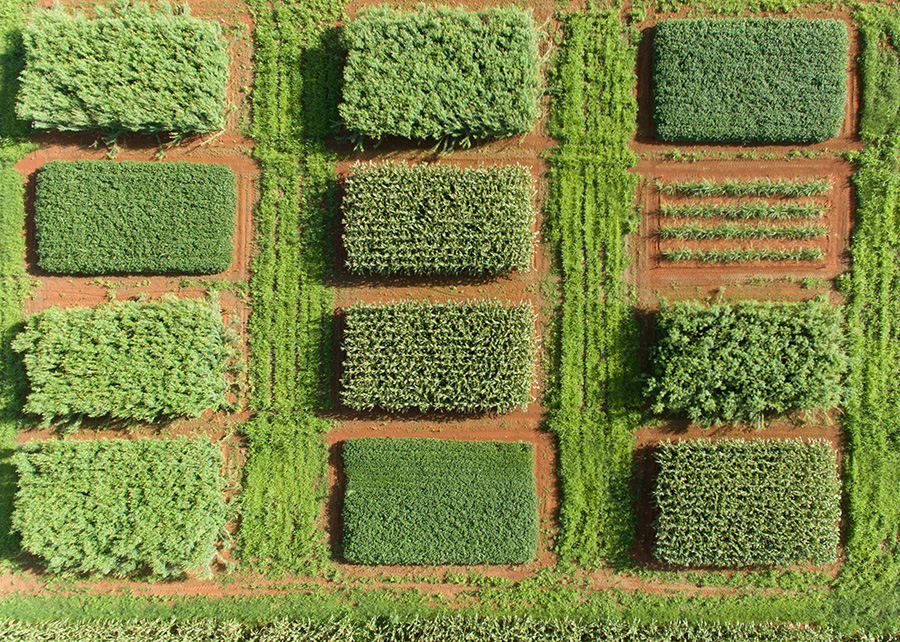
(450, 321)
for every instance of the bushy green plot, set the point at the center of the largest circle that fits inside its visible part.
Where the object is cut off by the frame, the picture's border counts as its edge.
(127, 360)
(426, 501)
(101, 217)
(765, 80)
(440, 72)
(126, 70)
(746, 361)
(740, 503)
(461, 357)
(114, 507)
(438, 219)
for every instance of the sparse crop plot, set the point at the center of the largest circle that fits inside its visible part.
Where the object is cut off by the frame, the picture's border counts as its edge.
(427, 501)
(101, 217)
(440, 72)
(469, 357)
(131, 70)
(740, 503)
(438, 219)
(119, 506)
(127, 361)
(746, 361)
(761, 80)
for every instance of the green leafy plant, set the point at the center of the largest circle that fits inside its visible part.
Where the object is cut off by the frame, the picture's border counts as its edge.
(763, 80)
(127, 360)
(101, 217)
(757, 187)
(743, 255)
(120, 506)
(695, 231)
(743, 211)
(739, 503)
(428, 501)
(467, 357)
(440, 72)
(134, 70)
(879, 30)
(438, 219)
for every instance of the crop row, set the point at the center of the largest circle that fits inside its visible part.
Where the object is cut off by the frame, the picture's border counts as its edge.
(761, 187)
(693, 231)
(743, 255)
(744, 211)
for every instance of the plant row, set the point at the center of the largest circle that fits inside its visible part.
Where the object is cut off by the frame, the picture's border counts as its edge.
(743, 211)
(763, 80)
(469, 357)
(438, 219)
(695, 232)
(740, 503)
(743, 255)
(101, 217)
(761, 187)
(126, 360)
(429, 501)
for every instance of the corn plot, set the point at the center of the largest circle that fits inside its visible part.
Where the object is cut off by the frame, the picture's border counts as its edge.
(467, 357)
(742, 503)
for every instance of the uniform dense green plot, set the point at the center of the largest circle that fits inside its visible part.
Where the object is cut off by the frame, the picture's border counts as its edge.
(119, 506)
(438, 219)
(466, 357)
(12, 220)
(440, 72)
(129, 70)
(426, 501)
(126, 360)
(746, 361)
(764, 80)
(101, 217)
(879, 31)
(740, 503)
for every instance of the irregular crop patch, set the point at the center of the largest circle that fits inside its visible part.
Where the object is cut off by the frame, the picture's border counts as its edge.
(100, 217)
(438, 219)
(738, 503)
(119, 506)
(764, 80)
(427, 501)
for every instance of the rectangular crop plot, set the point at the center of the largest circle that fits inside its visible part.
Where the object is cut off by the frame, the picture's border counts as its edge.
(438, 219)
(746, 361)
(126, 360)
(118, 506)
(763, 80)
(740, 503)
(130, 71)
(426, 501)
(467, 357)
(440, 72)
(101, 217)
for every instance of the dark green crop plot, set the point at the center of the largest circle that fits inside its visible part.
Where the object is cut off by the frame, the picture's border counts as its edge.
(426, 501)
(440, 72)
(127, 360)
(101, 217)
(114, 507)
(438, 219)
(738, 503)
(126, 70)
(763, 80)
(468, 357)
(746, 361)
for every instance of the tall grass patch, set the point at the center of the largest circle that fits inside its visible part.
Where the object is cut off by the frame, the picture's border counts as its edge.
(763, 80)
(741, 503)
(101, 217)
(438, 219)
(440, 72)
(128, 69)
(120, 506)
(425, 501)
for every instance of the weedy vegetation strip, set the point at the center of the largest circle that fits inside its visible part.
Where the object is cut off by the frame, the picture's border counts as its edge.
(746, 361)
(464, 357)
(438, 219)
(694, 231)
(101, 217)
(766, 80)
(149, 72)
(740, 503)
(120, 506)
(127, 360)
(440, 73)
(743, 255)
(428, 501)
(762, 187)
(744, 211)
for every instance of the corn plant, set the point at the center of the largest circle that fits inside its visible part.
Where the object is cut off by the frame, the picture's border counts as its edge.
(743, 211)
(694, 232)
(764, 187)
(743, 255)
